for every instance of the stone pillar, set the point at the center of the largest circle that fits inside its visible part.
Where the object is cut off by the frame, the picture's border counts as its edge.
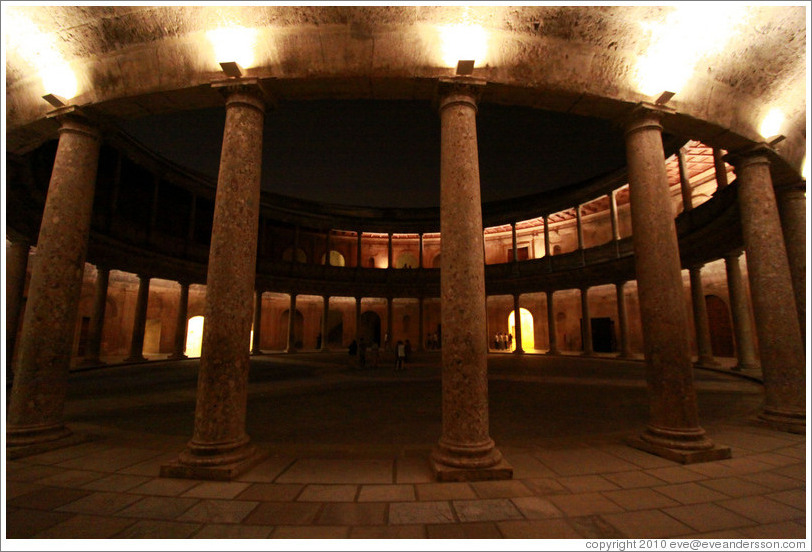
(35, 412)
(613, 215)
(389, 251)
(358, 261)
(517, 321)
(551, 331)
(700, 310)
(140, 322)
(94, 334)
(389, 322)
(673, 429)
(780, 343)
(586, 323)
(420, 253)
(324, 328)
(792, 210)
(465, 450)
(546, 237)
(719, 166)
(357, 317)
(684, 182)
(623, 321)
(16, 266)
(421, 344)
(180, 323)
(220, 448)
(256, 347)
(740, 312)
(515, 245)
(579, 227)
(291, 348)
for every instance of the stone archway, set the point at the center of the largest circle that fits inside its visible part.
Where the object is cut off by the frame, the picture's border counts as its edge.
(406, 260)
(528, 331)
(336, 258)
(721, 329)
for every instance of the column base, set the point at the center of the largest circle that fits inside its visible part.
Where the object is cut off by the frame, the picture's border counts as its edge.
(213, 462)
(136, 359)
(469, 462)
(686, 446)
(90, 362)
(501, 470)
(28, 441)
(553, 352)
(784, 420)
(255, 353)
(177, 357)
(746, 368)
(707, 363)
(518, 352)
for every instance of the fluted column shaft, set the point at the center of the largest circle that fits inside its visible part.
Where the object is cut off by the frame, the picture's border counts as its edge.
(256, 346)
(358, 248)
(623, 320)
(465, 445)
(420, 253)
(16, 267)
(740, 312)
(514, 242)
(94, 334)
(792, 210)
(674, 420)
(780, 343)
(35, 412)
(684, 182)
(140, 321)
(551, 331)
(701, 325)
(517, 322)
(389, 252)
(720, 170)
(546, 236)
(180, 323)
(219, 442)
(586, 323)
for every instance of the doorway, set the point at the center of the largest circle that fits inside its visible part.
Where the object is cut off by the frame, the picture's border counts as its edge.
(528, 333)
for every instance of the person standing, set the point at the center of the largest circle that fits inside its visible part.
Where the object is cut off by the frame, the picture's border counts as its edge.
(400, 355)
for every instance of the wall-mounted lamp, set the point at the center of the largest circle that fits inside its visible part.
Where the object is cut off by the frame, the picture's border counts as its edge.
(773, 140)
(663, 98)
(465, 67)
(232, 69)
(55, 100)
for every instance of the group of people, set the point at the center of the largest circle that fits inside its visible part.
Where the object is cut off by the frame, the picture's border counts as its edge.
(503, 342)
(371, 352)
(432, 341)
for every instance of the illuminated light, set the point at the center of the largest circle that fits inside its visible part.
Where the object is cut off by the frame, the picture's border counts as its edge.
(805, 170)
(234, 44)
(40, 51)
(194, 336)
(528, 334)
(463, 42)
(687, 34)
(771, 124)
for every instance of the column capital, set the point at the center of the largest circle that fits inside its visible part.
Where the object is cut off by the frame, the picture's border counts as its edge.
(761, 153)
(644, 116)
(71, 119)
(733, 255)
(456, 90)
(247, 91)
(797, 189)
(695, 266)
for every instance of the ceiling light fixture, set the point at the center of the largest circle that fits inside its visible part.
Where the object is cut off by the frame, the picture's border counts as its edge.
(55, 100)
(232, 69)
(465, 67)
(663, 98)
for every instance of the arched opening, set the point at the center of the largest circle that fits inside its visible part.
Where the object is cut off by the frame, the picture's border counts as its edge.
(721, 330)
(370, 327)
(406, 260)
(301, 256)
(528, 335)
(435, 263)
(336, 258)
(194, 336)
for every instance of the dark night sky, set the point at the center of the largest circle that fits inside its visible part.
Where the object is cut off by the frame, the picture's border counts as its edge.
(387, 153)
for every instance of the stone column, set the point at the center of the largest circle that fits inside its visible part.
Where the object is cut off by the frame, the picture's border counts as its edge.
(546, 237)
(35, 412)
(700, 310)
(421, 344)
(140, 322)
(16, 266)
(673, 429)
(740, 312)
(220, 448)
(325, 312)
(780, 343)
(291, 348)
(792, 210)
(420, 253)
(684, 182)
(614, 222)
(180, 323)
(94, 334)
(551, 332)
(389, 322)
(586, 323)
(719, 166)
(256, 348)
(357, 317)
(465, 450)
(623, 322)
(515, 245)
(579, 227)
(358, 262)
(517, 321)
(389, 251)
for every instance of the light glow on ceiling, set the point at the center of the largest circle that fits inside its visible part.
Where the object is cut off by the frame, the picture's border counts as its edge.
(463, 41)
(234, 44)
(771, 124)
(41, 53)
(690, 32)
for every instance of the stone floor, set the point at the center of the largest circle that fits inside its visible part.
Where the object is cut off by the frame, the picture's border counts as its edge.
(347, 458)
